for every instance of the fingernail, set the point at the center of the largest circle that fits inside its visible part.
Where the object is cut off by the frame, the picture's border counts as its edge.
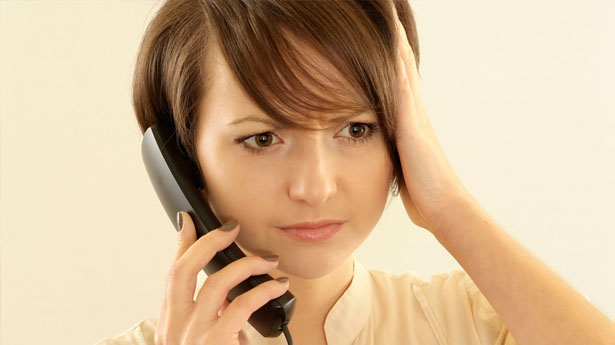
(180, 221)
(282, 279)
(230, 225)
(271, 257)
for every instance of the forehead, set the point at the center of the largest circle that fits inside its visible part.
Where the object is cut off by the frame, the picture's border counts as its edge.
(227, 99)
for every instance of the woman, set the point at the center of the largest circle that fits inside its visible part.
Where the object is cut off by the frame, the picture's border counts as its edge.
(310, 111)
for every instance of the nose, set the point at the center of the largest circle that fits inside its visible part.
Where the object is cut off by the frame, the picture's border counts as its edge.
(313, 173)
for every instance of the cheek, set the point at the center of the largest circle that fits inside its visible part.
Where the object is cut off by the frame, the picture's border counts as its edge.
(377, 190)
(368, 187)
(233, 188)
(370, 172)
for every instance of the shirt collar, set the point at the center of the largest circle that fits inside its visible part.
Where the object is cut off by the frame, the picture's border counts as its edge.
(352, 310)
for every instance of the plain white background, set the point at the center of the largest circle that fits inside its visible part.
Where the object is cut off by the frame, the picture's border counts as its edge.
(520, 94)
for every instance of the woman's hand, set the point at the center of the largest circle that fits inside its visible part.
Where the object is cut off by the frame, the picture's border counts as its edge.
(211, 319)
(432, 188)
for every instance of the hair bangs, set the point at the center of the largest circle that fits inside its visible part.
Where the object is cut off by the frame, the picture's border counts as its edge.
(303, 75)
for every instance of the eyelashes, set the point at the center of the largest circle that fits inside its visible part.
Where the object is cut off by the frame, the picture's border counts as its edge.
(369, 130)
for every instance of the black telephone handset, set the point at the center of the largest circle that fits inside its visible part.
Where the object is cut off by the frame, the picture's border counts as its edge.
(177, 181)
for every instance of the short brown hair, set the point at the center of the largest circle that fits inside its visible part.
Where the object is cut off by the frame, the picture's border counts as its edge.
(358, 37)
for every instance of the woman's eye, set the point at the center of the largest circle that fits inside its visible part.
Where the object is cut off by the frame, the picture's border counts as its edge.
(260, 140)
(357, 129)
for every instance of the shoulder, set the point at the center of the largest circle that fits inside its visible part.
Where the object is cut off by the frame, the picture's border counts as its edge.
(442, 289)
(450, 302)
(141, 333)
(453, 282)
(453, 292)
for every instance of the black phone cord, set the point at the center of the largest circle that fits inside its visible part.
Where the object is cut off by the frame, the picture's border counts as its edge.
(289, 339)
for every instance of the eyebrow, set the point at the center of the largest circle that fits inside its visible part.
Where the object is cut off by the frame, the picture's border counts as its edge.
(277, 125)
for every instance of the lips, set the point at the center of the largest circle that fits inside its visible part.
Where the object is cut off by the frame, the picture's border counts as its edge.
(312, 225)
(313, 231)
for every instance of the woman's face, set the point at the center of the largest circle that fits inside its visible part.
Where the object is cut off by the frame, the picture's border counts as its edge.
(298, 176)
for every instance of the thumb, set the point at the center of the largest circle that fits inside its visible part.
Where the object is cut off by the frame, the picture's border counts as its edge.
(186, 235)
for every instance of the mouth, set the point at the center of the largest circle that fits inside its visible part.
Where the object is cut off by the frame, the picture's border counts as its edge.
(313, 225)
(313, 231)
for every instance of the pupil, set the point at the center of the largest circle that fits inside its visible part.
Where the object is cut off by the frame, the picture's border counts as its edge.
(264, 139)
(356, 129)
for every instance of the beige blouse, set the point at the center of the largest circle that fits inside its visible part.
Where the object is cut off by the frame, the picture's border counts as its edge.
(385, 308)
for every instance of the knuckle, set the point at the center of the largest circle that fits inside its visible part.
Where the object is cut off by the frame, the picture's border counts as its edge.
(254, 265)
(243, 302)
(216, 240)
(177, 270)
(275, 288)
(251, 263)
(213, 281)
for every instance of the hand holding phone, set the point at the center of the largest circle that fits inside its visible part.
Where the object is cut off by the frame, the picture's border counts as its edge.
(177, 182)
(211, 319)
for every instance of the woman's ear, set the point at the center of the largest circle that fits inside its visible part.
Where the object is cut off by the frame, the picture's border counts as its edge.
(209, 204)
(204, 194)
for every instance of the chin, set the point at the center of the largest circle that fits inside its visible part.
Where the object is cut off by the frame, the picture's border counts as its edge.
(309, 267)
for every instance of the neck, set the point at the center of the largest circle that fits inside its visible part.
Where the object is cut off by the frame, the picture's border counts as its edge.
(316, 297)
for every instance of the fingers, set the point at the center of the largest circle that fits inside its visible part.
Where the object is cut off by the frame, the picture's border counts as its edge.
(192, 256)
(211, 319)
(216, 287)
(407, 116)
(239, 311)
(186, 236)
(404, 44)
(412, 115)
(409, 73)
